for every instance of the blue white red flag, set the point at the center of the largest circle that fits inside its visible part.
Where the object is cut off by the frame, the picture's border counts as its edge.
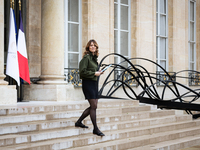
(22, 53)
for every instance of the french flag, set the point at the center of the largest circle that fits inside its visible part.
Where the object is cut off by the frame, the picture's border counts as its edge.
(12, 68)
(22, 53)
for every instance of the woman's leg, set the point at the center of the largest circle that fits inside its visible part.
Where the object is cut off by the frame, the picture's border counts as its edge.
(93, 107)
(84, 115)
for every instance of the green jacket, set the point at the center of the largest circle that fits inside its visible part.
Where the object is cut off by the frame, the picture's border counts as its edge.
(88, 66)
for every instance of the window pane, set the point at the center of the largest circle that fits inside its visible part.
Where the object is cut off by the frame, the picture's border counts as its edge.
(191, 66)
(124, 43)
(191, 31)
(192, 11)
(156, 5)
(115, 0)
(157, 23)
(125, 63)
(124, 2)
(157, 68)
(73, 10)
(73, 35)
(116, 16)
(163, 25)
(124, 17)
(157, 47)
(162, 48)
(163, 6)
(163, 64)
(116, 38)
(192, 52)
(116, 60)
(73, 60)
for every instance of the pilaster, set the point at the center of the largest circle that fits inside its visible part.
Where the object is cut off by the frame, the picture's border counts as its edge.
(143, 32)
(180, 38)
(8, 93)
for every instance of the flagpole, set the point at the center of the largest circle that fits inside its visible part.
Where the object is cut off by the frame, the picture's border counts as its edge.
(9, 78)
(20, 5)
(20, 89)
(13, 2)
(10, 3)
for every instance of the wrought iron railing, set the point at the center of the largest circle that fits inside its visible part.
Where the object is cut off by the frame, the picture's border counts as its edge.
(194, 78)
(163, 77)
(72, 76)
(127, 78)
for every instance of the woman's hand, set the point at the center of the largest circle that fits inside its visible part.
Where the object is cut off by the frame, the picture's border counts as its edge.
(98, 73)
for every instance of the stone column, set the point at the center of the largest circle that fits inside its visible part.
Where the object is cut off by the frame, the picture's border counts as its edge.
(8, 93)
(52, 42)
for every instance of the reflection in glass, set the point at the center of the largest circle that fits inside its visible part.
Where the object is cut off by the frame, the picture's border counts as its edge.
(162, 48)
(191, 52)
(191, 31)
(124, 17)
(124, 2)
(162, 6)
(163, 63)
(124, 43)
(73, 60)
(115, 16)
(73, 40)
(156, 5)
(156, 23)
(115, 40)
(163, 25)
(191, 11)
(191, 66)
(123, 62)
(73, 10)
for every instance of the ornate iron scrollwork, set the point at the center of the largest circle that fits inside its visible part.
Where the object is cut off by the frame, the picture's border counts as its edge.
(125, 76)
(183, 99)
(162, 76)
(194, 78)
(72, 76)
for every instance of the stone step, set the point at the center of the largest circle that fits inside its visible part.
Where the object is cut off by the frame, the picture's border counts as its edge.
(62, 106)
(140, 142)
(177, 144)
(122, 140)
(63, 123)
(69, 114)
(135, 116)
(141, 118)
(111, 131)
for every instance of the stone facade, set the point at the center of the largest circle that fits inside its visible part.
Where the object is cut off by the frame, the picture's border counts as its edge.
(45, 41)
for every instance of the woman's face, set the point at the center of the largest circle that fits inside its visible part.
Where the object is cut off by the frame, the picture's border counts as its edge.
(92, 48)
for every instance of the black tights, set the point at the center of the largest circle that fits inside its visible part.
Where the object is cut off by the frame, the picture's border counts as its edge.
(90, 111)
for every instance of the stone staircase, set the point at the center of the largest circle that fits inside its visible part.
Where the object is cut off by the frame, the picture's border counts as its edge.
(126, 124)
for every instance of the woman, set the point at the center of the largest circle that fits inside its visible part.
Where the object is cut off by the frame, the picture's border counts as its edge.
(88, 73)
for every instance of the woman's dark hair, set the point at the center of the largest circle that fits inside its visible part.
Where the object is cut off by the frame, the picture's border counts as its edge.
(87, 51)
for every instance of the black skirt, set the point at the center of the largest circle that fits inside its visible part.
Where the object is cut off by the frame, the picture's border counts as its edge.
(90, 89)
